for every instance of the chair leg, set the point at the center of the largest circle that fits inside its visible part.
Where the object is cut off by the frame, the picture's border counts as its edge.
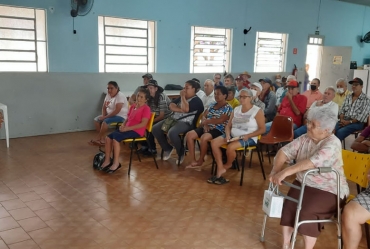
(129, 165)
(242, 174)
(154, 156)
(259, 158)
(268, 154)
(137, 152)
(250, 161)
(162, 154)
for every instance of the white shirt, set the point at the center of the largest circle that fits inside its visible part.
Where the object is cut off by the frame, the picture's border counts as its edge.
(207, 100)
(200, 94)
(110, 104)
(331, 105)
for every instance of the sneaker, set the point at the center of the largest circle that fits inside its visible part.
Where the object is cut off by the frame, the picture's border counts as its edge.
(167, 154)
(181, 160)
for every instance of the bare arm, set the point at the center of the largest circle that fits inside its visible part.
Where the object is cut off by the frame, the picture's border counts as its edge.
(219, 120)
(298, 167)
(142, 124)
(173, 107)
(228, 127)
(115, 112)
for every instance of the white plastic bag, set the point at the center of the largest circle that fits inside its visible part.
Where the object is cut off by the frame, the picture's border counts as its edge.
(272, 203)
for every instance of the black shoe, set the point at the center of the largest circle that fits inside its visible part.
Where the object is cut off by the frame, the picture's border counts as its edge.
(150, 152)
(111, 171)
(143, 150)
(106, 167)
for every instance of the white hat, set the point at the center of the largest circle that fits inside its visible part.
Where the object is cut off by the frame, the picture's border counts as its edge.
(257, 85)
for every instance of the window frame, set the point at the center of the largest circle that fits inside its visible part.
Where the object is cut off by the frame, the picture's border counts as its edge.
(228, 33)
(40, 43)
(284, 44)
(150, 48)
(320, 40)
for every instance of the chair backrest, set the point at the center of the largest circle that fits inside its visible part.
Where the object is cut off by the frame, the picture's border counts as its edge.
(282, 127)
(149, 125)
(199, 121)
(356, 166)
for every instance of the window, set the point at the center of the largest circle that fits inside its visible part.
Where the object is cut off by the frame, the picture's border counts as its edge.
(126, 45)
(210, 50)
(270, 52)
(22, 40)
(316, 39)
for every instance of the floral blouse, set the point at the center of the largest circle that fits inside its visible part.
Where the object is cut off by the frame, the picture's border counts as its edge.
(327, 153)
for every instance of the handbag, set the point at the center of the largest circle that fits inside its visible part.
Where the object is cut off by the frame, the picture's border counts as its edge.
(170, 122)
(99, 160)
(272, 203)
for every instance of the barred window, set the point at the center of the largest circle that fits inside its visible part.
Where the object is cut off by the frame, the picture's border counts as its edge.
(23, 40)
(270, 52)
(210, 50)
(316, 40)
(126, 45)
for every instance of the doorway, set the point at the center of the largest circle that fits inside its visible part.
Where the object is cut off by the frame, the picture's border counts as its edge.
(313, 64)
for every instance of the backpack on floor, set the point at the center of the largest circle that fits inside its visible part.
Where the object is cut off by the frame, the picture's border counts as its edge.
(98, 160)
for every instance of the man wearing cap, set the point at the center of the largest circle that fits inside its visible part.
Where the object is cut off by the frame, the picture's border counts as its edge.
(280, 93)
(354, 112)
(313, 94)
(326, 102)
(256, 89)
(293, 105)
(269, 98)
(342, 92)
(209, 96)
(246, 76)
(146, 77)
(217, 79)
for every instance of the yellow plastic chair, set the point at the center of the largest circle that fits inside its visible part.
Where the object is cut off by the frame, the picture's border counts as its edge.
(355, 167)
(243, 150)
(139, 139)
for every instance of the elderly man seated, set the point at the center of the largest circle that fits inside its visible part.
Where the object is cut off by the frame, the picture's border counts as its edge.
(325, 103)
(362, 142)
(341, 93)
(355, 214)
(318, 148)
(209, 96)
(354, 112)
(229, 80)
(293, 105)
(256, 90)
(313, 94)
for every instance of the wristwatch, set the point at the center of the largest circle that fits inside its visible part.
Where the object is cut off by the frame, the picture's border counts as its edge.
(241, 137)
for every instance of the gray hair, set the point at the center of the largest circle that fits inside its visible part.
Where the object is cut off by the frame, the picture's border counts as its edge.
(248, 91)
(208, 80)
(341, 80)
(325, 116)
(331, 88)
(291, 77)
(229, 76)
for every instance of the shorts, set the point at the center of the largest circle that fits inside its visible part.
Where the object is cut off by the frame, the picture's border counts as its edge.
(363, 199)
(249, 142)
(114, 119)
(119, 136)
(316, 205)
(214, 132)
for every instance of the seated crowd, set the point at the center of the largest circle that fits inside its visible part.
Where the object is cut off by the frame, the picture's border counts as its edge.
(235, 113)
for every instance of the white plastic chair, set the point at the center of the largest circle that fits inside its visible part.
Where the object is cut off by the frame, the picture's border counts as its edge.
(4, 108)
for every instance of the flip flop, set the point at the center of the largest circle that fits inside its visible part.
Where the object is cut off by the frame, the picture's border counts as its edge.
(212, 179)
(221, 180)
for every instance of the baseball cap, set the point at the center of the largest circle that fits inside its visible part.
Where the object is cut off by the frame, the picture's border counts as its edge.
(239, 77)
(257, 85)
(267, 80)
(147, 75)
(292, 83)
(356, 80)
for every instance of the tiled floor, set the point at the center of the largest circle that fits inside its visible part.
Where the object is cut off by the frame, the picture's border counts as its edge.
(52, 198)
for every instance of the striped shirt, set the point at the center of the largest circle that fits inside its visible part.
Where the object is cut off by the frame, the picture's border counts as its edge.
(359, 110)
(164, 102)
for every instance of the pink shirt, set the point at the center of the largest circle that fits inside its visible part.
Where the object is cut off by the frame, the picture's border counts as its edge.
(135, 116)
(312, 97)
(326, 153)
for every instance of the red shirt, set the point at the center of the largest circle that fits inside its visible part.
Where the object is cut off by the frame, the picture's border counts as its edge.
(247, 84)
(286, 109)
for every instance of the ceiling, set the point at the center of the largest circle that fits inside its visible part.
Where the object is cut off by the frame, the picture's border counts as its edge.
(362, 2)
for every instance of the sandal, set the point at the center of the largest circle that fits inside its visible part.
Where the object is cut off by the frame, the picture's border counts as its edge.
(212, 179)
(95, 142)
(221, 180)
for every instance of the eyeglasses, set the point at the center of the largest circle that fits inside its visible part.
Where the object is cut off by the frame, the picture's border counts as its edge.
(244, 97)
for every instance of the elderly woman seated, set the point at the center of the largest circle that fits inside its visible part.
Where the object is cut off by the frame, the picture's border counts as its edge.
(133, 127)
(114, 110)
(318, 148)
(213, 125)
(246, 122)
(355, 213)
